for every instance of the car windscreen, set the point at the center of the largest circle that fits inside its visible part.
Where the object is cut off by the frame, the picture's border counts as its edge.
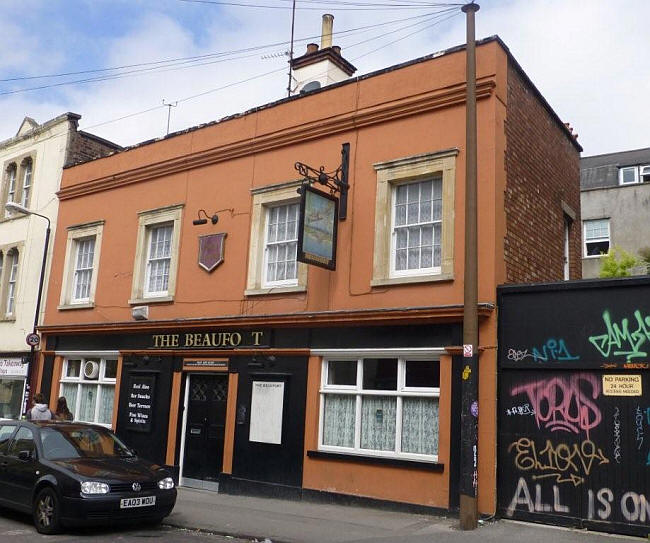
(75, 442)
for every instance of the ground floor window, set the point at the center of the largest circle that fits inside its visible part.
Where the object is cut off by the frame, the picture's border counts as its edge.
(11, 397)
(380, 407)
(88, 385)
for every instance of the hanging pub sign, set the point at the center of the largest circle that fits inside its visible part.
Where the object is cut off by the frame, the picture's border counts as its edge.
(318, 228)
(140, 398)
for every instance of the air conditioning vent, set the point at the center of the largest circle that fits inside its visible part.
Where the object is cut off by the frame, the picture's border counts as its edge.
(91, 369)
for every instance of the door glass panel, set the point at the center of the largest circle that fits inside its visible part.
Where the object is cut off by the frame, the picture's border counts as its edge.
(199, 392)
(220, 391)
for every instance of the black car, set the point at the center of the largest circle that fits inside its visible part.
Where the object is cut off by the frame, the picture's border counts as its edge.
(70, 474)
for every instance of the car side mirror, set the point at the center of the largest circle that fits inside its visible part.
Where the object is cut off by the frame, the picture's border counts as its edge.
(25, 455)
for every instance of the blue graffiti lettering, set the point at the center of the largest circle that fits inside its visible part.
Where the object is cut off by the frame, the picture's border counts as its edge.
(554, 350)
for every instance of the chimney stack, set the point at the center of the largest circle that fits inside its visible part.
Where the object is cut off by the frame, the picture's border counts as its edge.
(318, 68)
(326, 33)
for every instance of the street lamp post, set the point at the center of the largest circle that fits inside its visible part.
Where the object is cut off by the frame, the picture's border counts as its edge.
(12, 206)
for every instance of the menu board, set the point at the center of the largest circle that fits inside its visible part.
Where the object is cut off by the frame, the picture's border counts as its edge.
(266, 412)
(140, 398)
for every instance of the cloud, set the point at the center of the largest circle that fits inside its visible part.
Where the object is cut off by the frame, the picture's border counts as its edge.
(587, 57)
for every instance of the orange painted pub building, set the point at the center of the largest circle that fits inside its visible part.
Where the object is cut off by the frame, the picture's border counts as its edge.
(208, 347)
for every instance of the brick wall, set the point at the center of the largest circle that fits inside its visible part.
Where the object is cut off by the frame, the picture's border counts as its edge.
(542, 170)
(84, 147)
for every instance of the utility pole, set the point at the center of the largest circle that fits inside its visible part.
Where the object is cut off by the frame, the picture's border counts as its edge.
(469, 387)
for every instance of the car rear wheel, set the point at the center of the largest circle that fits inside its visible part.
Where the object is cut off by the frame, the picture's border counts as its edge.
(46, 512)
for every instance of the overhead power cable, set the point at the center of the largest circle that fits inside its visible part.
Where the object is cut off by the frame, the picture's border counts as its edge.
(431, 17)
(259, 76)
(351, 6)
(159, 65)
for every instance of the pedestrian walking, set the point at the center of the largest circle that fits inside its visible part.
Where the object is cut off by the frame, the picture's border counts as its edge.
(62, 412)
(40, 411)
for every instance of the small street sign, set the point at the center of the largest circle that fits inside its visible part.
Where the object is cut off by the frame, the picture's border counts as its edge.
(468, 351)
(33, 339)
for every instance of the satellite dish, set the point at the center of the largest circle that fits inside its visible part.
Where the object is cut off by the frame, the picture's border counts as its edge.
(311, 86)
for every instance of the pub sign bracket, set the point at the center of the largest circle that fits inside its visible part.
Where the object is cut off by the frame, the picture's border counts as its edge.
(336, 181)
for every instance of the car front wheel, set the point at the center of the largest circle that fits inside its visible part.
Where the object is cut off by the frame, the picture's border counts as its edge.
(46, 512)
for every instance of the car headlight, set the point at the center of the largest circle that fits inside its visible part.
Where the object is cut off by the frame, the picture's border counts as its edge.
(166, 484)
(94, 487)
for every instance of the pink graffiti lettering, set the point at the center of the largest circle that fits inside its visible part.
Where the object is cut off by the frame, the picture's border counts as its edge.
(564, 403)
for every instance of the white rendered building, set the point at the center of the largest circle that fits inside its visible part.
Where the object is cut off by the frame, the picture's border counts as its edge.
(32, 163)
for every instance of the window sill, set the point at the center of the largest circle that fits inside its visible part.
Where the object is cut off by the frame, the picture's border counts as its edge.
(11, 318)
(378, 460)
(12, 217)
(411, 279)
(152, 300)
(274, 290)
(85, 305)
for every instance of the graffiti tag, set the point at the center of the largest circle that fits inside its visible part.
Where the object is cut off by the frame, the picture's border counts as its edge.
(617, 435)
(523, 409)
(564, 403)
(625, 338)
(633, 506)
(518, 356)
(552, 350)
(564, 463)
(638, 419)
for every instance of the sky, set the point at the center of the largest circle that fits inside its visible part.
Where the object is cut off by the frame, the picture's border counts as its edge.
(210, 59)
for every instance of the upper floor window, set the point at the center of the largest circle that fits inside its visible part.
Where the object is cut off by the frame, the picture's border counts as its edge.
(81, 265)
(272, 265)
(414, 219)
(85, 249)
(156, 258)
(417, 226)
(159, 255)
(27, 182)
(596, 236)
(280, 266)
(17, 183)
(630, 175)
(10, 180)
(12, 280)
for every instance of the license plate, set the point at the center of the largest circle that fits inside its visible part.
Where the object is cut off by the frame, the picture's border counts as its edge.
(142, 501)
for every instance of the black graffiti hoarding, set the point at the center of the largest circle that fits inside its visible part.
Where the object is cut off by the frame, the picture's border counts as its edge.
(574, 448)
(140, 396)
(574, 404)
(576, 325)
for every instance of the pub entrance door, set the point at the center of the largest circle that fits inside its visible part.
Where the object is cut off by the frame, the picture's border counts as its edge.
(203, 433)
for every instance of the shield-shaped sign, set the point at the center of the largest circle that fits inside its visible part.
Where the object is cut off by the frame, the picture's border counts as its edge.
(211, 249)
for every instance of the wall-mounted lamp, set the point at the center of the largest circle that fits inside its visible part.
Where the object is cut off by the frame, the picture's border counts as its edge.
(198, 221)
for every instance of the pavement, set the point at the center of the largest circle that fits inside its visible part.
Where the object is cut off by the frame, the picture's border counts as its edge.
(271, 520)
